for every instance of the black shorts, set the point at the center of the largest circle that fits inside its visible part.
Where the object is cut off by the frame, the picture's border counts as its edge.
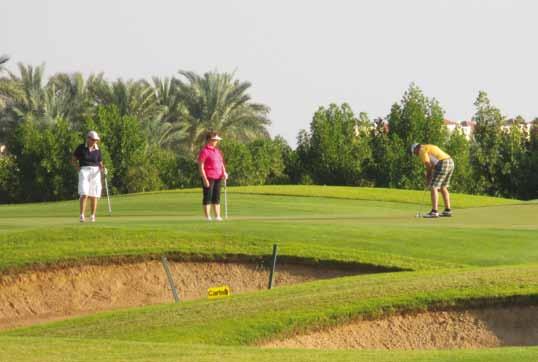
(212, 193)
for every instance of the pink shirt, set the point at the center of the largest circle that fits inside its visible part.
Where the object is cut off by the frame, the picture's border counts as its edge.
(213, 162)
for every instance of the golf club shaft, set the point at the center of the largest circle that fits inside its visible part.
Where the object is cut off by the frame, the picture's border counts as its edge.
(425, 204)
(225, 200)
(107, 195)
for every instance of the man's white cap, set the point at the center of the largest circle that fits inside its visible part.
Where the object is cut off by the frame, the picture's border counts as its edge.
(216, 137)
(413, 146)
(93, 135)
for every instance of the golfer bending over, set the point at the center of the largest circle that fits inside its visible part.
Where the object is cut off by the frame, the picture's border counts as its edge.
(439, 170)
(213, 171)
(90, 165)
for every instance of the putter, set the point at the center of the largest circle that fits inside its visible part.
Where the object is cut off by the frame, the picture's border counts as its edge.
(422, 204)
(107, 194)
(225, 200)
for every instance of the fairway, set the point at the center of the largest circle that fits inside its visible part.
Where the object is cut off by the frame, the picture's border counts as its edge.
(487, 254)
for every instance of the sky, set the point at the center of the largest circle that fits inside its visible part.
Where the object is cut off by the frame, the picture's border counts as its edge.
(298, 54)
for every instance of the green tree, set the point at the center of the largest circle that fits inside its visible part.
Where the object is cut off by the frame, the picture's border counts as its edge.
(298, 163)
(143, 173)
(42, 155)
(215, 101)
(177, 170)
(131, 98)
(239, 162)
(75, 94)
(27, 95)
(378, 167)
(416, 119)
(513, 152)
(459, 148)
(124, 143)
(336, 153)
(529, 180)
(267, 156)
(167, 129)
(486, 159)
(8, 179)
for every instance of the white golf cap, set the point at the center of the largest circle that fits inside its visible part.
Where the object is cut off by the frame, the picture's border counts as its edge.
(413, 146)
(216, 137)
(93, 135)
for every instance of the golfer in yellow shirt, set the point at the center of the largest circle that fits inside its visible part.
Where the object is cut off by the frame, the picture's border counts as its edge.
(439, 169)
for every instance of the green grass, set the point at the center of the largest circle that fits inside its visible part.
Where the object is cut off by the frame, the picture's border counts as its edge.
(375, 232)
(371, 194)
(74, 350)
(489, 250)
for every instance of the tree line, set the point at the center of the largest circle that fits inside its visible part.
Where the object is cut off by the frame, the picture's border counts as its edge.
(153, 129)
(344, 149)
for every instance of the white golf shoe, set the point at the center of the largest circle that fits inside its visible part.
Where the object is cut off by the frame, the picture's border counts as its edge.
(431, 215)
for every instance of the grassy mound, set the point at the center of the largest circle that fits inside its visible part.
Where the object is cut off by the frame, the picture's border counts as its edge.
(371, 194)
(372, 232)
(488, 250)
(248, 318)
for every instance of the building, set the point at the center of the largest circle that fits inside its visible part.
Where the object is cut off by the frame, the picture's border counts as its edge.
(523, 126)
(466, 127)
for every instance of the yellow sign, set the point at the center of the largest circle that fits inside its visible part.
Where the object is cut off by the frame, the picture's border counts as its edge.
(219, 292)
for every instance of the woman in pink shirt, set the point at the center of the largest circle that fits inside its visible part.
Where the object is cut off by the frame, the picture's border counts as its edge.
(213, 171)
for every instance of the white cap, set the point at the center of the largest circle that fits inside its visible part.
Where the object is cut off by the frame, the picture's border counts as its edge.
(93, 135)
(413, 146)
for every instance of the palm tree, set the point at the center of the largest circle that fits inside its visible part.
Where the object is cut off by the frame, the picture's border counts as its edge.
(132, 98)
(167, 130)
(74, 91)
(215, 101)
(4, 85)
(26, 96)
(3, 60)
(23, 97)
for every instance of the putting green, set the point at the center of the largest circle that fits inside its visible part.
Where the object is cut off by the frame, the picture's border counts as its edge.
(488, 250)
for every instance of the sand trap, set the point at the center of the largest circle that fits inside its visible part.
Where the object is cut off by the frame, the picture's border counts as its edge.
(37, 296)
(478, 328)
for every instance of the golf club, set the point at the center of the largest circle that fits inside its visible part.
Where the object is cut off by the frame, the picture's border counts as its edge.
(107, 195)
(420, 212)
(225, 200)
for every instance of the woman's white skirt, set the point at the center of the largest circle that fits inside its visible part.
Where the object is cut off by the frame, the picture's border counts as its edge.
(89, 181)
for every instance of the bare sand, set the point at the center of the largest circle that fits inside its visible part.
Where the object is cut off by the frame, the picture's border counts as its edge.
(43, 295)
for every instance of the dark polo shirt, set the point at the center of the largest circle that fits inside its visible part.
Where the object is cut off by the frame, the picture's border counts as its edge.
(87, 158)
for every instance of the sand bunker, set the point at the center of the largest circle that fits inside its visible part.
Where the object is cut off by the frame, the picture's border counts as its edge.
(37, 296)
(478, 328)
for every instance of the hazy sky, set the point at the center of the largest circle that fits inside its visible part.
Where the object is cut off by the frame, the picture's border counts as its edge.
(298, 54)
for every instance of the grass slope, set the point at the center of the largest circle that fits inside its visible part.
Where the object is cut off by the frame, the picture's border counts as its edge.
(345, 229)
(371, 194)
(249, 318)
(488, 250)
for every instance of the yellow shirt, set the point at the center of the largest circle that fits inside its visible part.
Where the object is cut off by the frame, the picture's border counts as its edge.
(431, 154)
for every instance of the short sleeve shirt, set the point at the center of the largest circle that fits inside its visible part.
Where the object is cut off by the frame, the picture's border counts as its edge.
(431, 154)
(213, 162)
(87, 157)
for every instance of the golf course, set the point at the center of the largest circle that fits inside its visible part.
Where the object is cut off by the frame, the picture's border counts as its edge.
(350, 260)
